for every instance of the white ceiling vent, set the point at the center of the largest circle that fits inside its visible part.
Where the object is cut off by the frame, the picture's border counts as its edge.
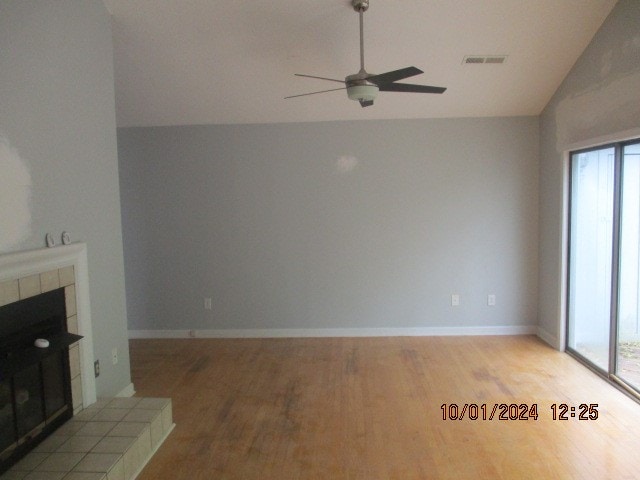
(476, 59)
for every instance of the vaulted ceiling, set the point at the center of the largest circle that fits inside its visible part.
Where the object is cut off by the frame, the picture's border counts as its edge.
(181, 62)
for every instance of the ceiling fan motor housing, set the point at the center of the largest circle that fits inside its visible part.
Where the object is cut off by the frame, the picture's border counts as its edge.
(359, 89)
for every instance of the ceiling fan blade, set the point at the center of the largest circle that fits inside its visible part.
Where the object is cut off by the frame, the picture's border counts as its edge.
(366, 103)
(410, 88)
(394, 76)
(319, 78)
(313, 93)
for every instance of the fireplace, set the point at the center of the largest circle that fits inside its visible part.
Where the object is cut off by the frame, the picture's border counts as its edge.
(35, 378)
(43, 294)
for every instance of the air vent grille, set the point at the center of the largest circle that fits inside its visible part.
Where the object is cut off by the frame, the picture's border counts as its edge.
(477, 59)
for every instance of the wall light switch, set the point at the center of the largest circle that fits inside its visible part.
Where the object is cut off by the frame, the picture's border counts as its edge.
(455, 300)
(207, 304)
(491, 300)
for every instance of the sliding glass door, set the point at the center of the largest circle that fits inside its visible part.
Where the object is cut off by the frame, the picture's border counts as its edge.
(628, 341)
(604, 260)
(590, 261)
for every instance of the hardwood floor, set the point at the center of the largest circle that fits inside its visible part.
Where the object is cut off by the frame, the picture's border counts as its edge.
(370, 408)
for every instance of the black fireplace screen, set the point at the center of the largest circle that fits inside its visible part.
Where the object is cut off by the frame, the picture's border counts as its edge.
(35, 384)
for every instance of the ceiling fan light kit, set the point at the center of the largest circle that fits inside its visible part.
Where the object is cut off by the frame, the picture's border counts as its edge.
(363, 86)
(358, 88)
(362, 93)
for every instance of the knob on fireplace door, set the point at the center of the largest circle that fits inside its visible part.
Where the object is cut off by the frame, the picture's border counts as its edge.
(41, 343)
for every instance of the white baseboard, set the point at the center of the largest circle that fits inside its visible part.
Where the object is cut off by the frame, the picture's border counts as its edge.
(338, 332)
(127, 391)
(546, 337)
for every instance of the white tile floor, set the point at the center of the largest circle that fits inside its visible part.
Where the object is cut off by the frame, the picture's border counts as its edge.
(113, 439)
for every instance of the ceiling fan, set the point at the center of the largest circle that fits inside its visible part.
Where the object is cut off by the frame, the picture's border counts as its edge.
(363, 86)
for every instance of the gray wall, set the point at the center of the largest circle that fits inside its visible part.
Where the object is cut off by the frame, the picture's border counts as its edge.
(328, 225)
(58, 151)
(599, 98)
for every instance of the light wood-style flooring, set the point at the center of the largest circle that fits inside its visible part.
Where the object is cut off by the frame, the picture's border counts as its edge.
(370, 408)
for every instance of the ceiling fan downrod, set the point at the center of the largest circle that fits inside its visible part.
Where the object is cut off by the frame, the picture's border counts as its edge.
(361, 6)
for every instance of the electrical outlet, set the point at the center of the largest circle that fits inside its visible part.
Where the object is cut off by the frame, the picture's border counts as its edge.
(455, 300)
(491, 300)
(192, 333)
(96, 368)
(114, 356)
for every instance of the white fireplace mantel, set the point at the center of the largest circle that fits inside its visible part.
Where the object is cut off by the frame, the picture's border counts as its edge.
(31, 262)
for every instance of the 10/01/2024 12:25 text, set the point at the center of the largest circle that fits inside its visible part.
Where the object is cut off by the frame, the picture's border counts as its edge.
(516, 411)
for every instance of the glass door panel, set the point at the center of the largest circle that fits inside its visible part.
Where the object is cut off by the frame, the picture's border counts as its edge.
(628, 342)
(590, 254)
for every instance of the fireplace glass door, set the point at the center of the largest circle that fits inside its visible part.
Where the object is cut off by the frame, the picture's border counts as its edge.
(28, 400)
(7, 426)
(35, 384)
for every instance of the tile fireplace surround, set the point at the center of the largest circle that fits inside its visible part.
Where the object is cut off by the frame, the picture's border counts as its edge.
(106, 439)
(29, 273)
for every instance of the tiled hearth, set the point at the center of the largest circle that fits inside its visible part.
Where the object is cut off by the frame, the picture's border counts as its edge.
(110, 440)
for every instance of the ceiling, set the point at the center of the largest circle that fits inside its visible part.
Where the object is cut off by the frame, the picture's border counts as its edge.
(182, 62)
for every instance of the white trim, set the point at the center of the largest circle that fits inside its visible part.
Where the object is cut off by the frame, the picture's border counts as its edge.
(337, 332)
(623, 136)
(128, 391)
(30, 262)
(548, 338)
(561, 330)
